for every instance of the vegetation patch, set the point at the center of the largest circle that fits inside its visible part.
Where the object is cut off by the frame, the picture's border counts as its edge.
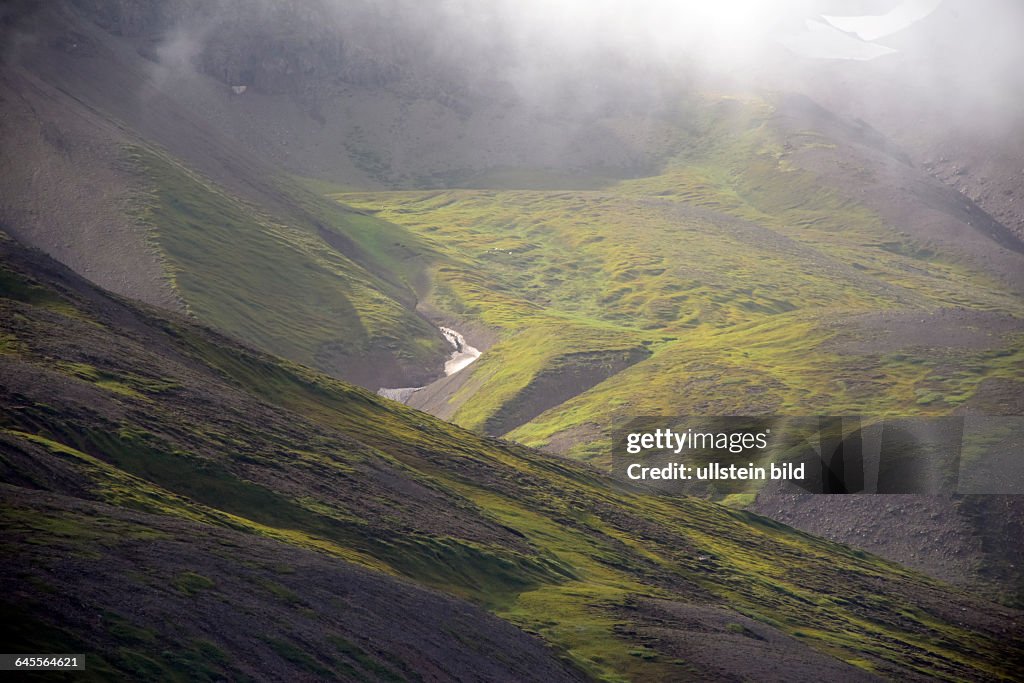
(278, 283)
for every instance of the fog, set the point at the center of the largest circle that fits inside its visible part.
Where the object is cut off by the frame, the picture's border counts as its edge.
(965, 53)
(962, 56)
(874, 26)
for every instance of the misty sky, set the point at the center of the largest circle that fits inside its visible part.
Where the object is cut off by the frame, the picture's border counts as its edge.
(960, 57)
(973, 45)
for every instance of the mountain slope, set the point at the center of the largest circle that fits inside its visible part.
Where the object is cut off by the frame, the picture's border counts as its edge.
(209, 603)
(616, 250)
(175, 212)
(111, 408)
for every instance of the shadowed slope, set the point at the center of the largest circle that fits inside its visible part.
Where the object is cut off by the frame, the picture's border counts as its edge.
(129, 408)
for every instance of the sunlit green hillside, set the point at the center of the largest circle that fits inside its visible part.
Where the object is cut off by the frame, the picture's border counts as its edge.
(735, 281)
(207, 476)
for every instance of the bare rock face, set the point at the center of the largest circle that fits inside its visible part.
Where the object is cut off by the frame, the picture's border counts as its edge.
(989, 171)
(954, 539)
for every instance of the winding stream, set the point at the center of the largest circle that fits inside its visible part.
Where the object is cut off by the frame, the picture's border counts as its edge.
(461, 357)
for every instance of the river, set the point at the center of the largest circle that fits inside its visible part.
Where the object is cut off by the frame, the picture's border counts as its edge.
(461, 357)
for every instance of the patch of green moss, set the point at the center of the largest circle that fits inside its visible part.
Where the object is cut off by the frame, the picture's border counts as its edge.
(372, 669)
(191, 583)
(294, 655)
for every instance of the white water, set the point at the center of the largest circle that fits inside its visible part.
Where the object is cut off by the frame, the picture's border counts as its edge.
(463, 355)
(460, 358)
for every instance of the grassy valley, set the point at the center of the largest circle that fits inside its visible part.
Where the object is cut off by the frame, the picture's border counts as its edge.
(225, 225)
(737, 280)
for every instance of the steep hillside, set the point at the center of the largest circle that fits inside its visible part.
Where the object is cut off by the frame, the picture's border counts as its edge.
(164, 448)
(171, 210)
(212, 603)
(955, 110)
(621, 235)
(203, 128)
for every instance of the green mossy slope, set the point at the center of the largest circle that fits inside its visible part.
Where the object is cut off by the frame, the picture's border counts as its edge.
(130, 408)
(746, 270)
(314, 283)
